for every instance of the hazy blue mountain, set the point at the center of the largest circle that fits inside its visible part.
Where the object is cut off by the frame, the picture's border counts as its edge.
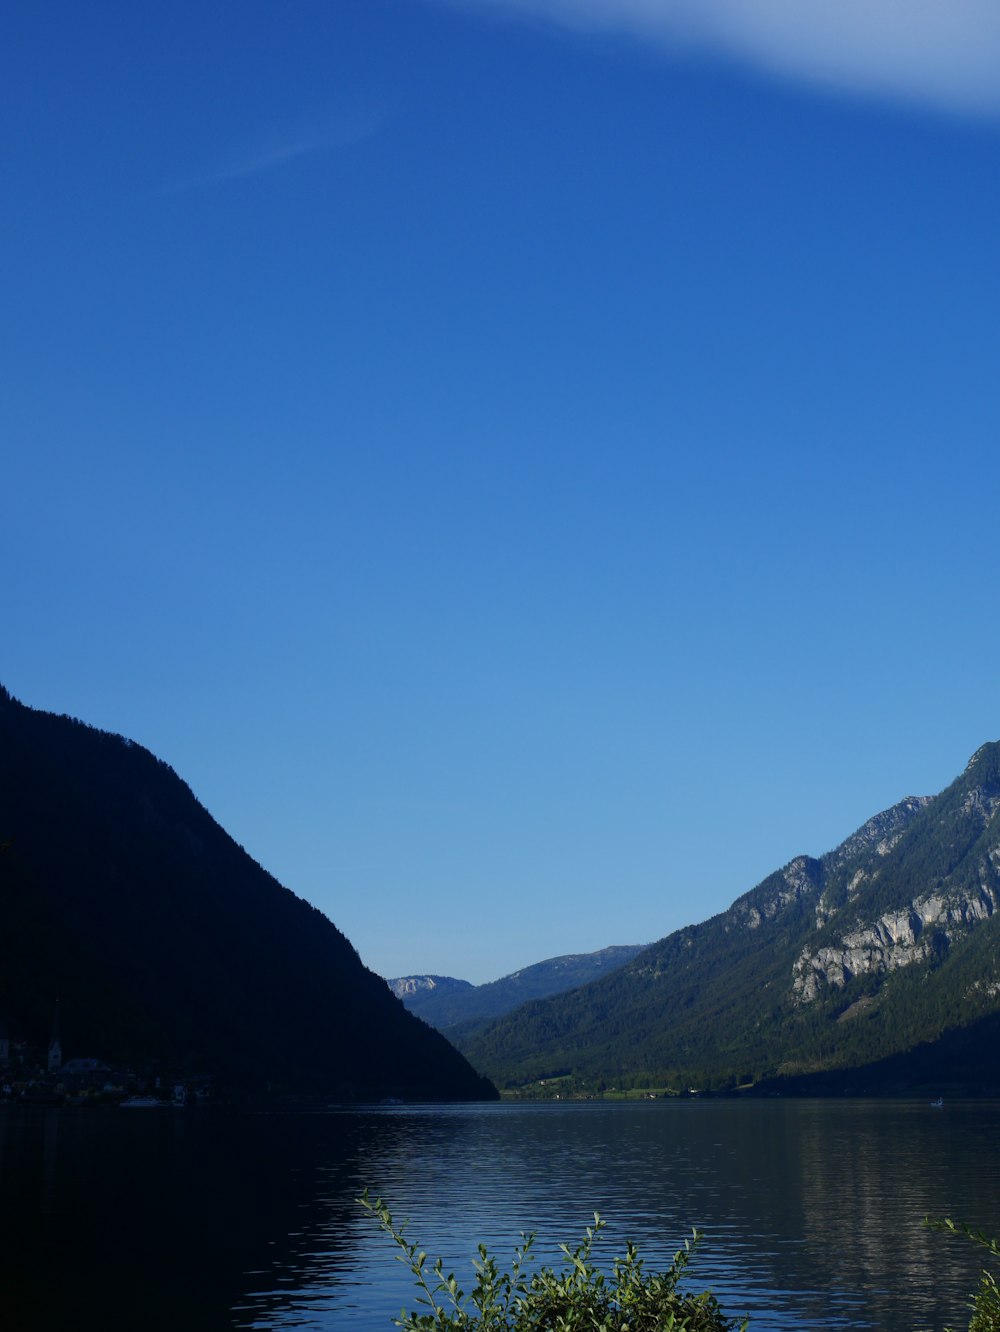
(448, 1003)
(875, 958)
(422, 994)
(162, 940)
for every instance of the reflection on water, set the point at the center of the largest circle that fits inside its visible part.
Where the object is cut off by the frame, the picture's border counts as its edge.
(812, 1211)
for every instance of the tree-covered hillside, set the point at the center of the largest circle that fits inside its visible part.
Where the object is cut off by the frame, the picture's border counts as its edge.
(123, 901)
(881, 946)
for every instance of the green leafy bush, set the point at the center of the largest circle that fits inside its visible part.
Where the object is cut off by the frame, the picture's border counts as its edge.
(986, 1305)
(577, 1297)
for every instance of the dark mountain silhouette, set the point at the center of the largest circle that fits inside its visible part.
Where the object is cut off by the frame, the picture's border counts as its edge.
(123, 901)
(874, 958)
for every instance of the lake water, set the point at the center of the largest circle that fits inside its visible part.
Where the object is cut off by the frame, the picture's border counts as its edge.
(811, 1210)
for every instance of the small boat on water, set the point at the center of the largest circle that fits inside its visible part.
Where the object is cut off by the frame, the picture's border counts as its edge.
(143, 1103)
(936, 1105)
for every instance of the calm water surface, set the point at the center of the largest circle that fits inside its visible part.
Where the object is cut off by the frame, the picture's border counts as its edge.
(167, 1219)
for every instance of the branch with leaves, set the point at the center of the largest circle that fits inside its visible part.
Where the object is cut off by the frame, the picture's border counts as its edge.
(986, 1305)
(577, 1297)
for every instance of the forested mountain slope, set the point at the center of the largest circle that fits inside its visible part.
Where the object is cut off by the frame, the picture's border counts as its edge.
(878, 947)
(447, 1003)
(125, 902)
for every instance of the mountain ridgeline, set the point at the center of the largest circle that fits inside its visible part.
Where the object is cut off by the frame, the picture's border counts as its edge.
(450, 1004)
(160, 939)
(873, 968)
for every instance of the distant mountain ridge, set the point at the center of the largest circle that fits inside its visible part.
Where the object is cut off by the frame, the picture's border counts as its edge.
(122, 900)
(447, 1003)
(881, 947)
(413, 989)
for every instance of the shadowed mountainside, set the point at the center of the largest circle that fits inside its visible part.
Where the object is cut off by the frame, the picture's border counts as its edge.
(161, 939)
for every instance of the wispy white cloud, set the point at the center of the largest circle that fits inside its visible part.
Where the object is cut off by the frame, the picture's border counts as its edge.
(945, 52)
(277, 151)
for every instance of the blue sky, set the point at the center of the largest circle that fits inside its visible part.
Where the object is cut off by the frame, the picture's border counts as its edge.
(530, 467)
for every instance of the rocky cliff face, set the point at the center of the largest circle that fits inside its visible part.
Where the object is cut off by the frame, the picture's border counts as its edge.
(879, 835)
(870, 943)
(801, 878)
(922, 929)
(806, 879)
(897, 928)
(408, 987)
